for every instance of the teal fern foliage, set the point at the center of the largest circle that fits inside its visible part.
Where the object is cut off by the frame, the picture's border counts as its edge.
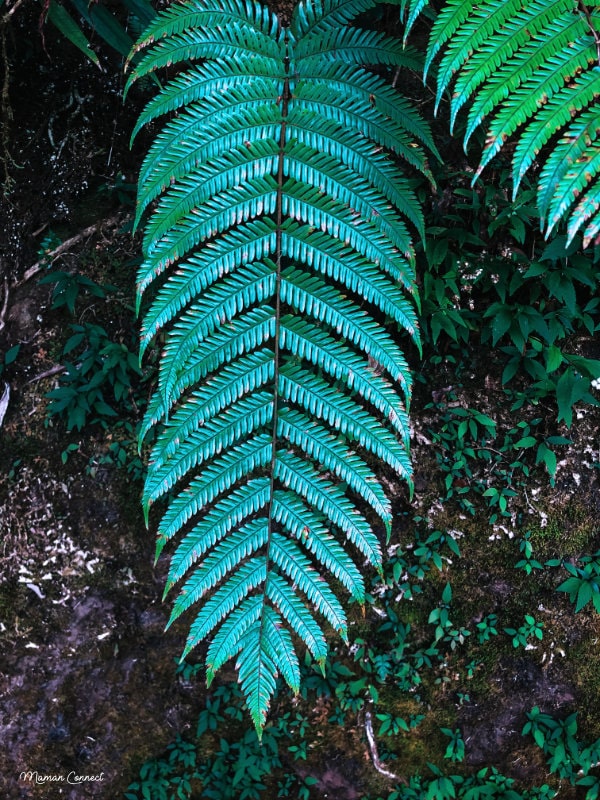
(279, 248)
(530, 71)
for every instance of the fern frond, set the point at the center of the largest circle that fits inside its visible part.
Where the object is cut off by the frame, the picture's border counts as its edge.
(293, 563)
(224, 210)
(472, 33)
(351, 150)
(278, 646)
(344, 81)
(309, 295)
(229, 385)
(227, 514)
(547, 113)
(350, 46)
(227, 639)
(323, 172)
(233, 169)
(243, 335)
(306, 204)
(223, 559)
(592, 230)
(528, 70)
(247, 577)
(450, 19)
(197, 84)
(520, 67)
(322, 401)
(279, 242)
(586, 209)
(257, 671)
(248, 243)
(359, 115)
(205, 39)
(219, 304)
(489, 62)
(184, 17)
(330, 500)
(334, 259)
(194, 139)
(309, 342)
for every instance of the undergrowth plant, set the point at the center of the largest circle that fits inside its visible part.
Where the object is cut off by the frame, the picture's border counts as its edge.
(489, 278)
(9, 357)
(478, 461)
(569, 758)
(395, 673)
(98, 378)
(283, 201)
(73, 19)
(583, 583)
(530, 629)
(528, 563)
(69, 285)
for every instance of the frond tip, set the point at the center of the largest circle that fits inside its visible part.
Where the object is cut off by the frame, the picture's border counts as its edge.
(279, 245)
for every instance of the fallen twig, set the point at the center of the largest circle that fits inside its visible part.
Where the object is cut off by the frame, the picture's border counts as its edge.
(55, 370)
(4, 402)
(67, 244)
(374, 753)
(592, 28)
(4, 305)
(5, 18)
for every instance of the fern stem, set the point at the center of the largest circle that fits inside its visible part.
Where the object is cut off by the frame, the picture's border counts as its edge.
(284, 100)
(588, 18)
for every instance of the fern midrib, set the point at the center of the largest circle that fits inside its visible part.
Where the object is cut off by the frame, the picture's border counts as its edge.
(285, 100)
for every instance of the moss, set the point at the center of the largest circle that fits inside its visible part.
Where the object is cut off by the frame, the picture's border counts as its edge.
(585, 671)
(569, 531)
(13, 608)
(425, 744)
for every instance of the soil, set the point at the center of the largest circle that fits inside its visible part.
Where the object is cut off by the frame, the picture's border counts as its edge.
(87, 675)
(87, 678)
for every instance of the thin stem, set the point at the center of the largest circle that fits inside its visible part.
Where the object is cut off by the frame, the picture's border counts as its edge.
(285, 99)
(586, 12)
(375, 754)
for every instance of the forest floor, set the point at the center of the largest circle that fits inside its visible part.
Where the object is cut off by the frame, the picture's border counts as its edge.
(88, 682)
(87, 678)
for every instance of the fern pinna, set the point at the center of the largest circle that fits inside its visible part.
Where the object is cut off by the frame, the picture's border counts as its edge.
(279, 241)
(529, 68)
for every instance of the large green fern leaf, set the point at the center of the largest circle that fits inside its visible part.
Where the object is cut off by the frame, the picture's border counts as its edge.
(529, 70)
(279, 246)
